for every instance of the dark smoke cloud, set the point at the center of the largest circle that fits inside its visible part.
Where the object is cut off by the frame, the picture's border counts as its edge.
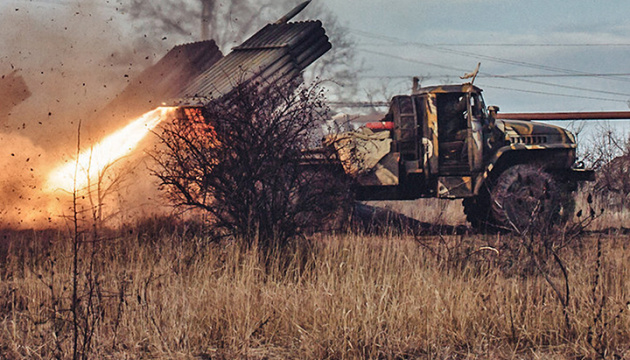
(74, 59)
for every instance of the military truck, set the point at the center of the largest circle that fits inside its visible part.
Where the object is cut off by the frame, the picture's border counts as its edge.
(442, 141)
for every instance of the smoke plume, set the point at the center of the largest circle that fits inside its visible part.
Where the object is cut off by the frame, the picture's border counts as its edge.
(61, 63)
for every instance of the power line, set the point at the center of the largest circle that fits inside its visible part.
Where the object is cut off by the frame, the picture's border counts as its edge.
(474, 55)
(356, 104)
(361, 104)
(482, 75)
(569, 87)
(558, 75)
(514, 79)
(414, 60)
(508, 44)
(554, 94)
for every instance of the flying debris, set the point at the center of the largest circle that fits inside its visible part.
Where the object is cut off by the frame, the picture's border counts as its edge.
(13, 91)
(278, 52)
(196, 74)
(159, 83)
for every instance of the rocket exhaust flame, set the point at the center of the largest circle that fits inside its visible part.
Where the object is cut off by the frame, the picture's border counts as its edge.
(92, 162)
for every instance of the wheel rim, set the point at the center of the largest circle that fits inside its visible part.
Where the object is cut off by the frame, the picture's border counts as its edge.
(525, 201)
(525, 197)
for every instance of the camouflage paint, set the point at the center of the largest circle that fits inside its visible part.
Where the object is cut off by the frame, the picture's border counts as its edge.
(543, 155)
(552, 133)
(549, 145)
(454, 186)
(431, 134)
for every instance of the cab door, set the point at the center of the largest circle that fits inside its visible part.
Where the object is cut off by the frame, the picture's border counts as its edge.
(456, 130)
(476, 119)
(453, 111)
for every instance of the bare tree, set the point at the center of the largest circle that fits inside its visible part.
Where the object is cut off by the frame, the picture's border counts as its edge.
(242, 159)
(224, 22)
(340, 65)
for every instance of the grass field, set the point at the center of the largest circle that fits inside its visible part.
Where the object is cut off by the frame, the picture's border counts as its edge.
(157, 290)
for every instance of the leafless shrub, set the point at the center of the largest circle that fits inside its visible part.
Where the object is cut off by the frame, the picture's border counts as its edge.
(541, 251)
(76, 298)
(609, 154)
(242, 159)
(537, 250)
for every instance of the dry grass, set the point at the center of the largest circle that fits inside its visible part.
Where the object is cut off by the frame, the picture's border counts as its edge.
(608, 216)
(342, 297)
(432, 210)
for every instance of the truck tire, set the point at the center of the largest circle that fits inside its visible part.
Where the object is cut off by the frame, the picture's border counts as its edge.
(526, 197)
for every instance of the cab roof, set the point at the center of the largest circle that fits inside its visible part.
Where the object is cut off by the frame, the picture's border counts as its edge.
(448, 89)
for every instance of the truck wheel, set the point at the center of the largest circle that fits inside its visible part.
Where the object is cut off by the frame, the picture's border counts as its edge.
(526, 197)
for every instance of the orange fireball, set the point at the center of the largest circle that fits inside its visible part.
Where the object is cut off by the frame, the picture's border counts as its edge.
(78, 173)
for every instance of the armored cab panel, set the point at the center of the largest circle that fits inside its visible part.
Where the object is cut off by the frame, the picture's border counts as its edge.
(430, 129)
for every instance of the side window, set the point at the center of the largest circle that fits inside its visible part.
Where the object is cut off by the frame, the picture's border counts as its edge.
(406, 106)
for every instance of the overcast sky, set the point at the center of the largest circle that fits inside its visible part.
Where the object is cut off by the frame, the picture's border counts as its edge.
(564, 48)
(535, 55)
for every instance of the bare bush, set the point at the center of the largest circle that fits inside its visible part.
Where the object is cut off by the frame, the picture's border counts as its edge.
(609, 154)
(242, 159)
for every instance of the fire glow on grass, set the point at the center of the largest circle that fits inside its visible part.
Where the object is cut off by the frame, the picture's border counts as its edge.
(93, 161)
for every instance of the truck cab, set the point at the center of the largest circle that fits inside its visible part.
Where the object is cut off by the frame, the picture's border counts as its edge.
(438, 135)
